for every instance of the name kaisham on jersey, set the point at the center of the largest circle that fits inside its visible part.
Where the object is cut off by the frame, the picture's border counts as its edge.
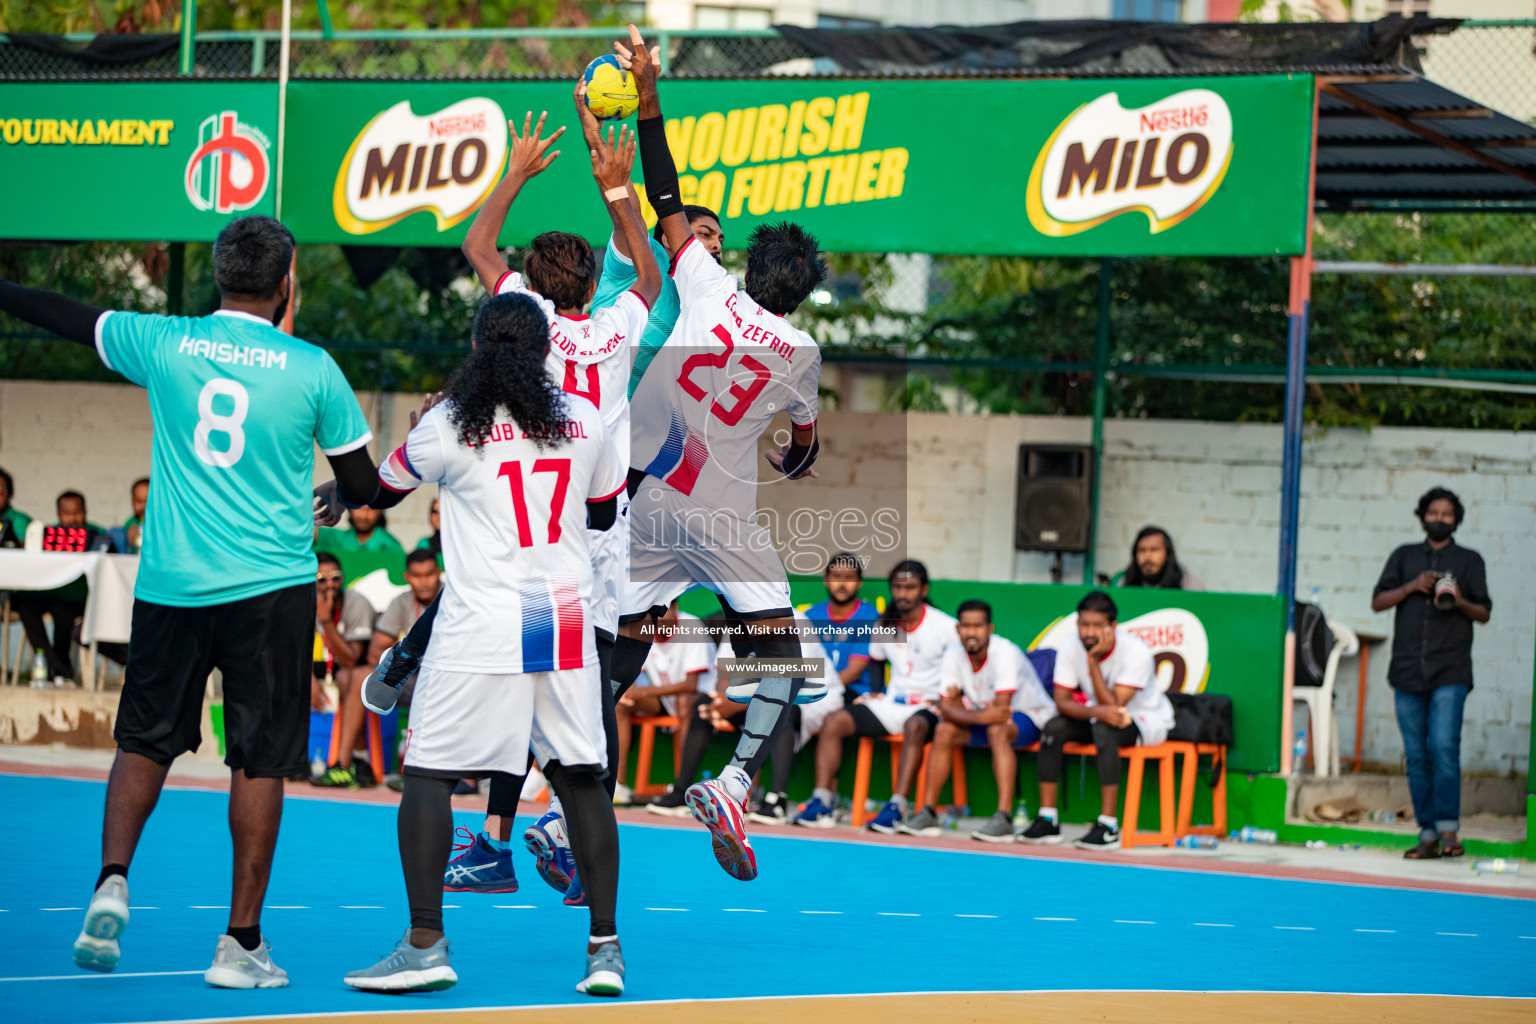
(51, 131)
(782, 157)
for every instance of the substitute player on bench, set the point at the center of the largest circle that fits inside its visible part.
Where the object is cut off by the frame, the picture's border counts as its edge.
(227, 577)
(698, 414)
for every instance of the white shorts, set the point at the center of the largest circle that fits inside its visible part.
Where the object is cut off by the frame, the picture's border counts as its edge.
(674, 546)
(890, 713)
(474, 722)
(610, 567)
(813, 716)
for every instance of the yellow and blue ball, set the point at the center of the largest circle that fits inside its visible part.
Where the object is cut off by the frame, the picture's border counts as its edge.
(611, 93)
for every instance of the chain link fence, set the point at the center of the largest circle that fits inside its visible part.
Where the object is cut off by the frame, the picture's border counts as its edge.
(1493, 62)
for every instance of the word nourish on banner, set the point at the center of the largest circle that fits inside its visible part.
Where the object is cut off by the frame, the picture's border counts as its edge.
(800, 155)
(49, 131)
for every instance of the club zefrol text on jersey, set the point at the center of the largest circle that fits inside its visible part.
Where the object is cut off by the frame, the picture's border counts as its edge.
(571, 429)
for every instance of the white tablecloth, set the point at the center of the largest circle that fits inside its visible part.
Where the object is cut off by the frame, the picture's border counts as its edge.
(108, 608)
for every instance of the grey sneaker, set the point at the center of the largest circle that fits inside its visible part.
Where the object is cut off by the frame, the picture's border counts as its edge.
(605, 972)
(998, 829)
(742, 692)
(105, 919)
(381, 690)
(234, 966)
(408, 969)
(923, 823)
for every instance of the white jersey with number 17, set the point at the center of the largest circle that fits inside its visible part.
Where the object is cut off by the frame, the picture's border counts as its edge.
(516, 551)
(715, 386)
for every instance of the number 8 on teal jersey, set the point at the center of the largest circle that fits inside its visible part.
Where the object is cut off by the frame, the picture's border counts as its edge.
(238, 408)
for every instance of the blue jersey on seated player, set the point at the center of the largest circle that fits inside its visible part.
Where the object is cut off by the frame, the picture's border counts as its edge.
(844, 622)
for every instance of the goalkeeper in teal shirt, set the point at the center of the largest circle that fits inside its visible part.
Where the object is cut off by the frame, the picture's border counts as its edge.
(226, 576)
(618, 276)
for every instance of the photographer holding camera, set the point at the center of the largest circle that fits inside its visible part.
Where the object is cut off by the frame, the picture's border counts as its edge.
(1439, 589)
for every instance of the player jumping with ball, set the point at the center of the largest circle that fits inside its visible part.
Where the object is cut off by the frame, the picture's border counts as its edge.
(731, 363)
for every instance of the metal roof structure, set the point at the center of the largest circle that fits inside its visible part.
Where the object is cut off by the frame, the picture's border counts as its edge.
(1400, 141)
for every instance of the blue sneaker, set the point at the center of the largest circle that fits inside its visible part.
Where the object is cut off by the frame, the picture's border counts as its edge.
(816, 815)
(576, 895)
(551, 849)
(887, 821)
(480, 868)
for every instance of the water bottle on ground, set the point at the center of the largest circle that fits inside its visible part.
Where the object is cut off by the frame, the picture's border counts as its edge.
(1250, 834)
(1198, 842)
(1020, 818)
(949, 819)
(1496, 866)
(1299, 752)
(39, 671)
(1383, 817)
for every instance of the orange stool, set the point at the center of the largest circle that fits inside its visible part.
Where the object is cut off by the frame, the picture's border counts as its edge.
(375, 734)
(1167, 831)
(1191, 770)
(865, 763)
(643, 786)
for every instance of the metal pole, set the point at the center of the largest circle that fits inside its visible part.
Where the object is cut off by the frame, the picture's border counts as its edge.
(1100, 368)
(1298, 308)
(282, 100)
(175, 279)
(665, 42)
(327, 30)
(188, 35)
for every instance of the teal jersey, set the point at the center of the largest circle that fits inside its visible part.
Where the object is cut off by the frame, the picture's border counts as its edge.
(238, 407)
(618, 278)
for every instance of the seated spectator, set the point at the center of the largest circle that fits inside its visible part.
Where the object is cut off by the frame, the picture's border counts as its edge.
(676, 672)
(368, 532)
(1107, 694)
(343, 627)
(1153, 564)
(129, 537)
(13, 521)
(904, 709)
(433, 541)
(63, 604)
(992, 698)
(842, 625)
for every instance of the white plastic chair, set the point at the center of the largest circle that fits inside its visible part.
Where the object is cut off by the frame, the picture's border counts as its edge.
(377, 589)
(1319, 702)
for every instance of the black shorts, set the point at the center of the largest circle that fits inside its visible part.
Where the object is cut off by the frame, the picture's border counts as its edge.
(263, 645)
(865, 723)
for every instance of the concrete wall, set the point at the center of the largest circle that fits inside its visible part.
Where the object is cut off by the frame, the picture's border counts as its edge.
(1213, 486)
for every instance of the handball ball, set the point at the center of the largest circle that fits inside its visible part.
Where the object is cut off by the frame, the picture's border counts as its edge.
(611, 93)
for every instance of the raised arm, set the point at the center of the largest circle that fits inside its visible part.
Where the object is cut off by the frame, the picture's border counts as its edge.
(525, 162)
(611, 166)
(661, 185)
(69, 318)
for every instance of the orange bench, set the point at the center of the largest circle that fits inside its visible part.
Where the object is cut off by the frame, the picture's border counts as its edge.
(1191, 753)
(643, 786)
(375, 734)
(866, 760)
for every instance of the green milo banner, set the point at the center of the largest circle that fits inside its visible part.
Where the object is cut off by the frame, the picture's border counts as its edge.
(1231, 644)
(1189, 166)
(135, 160)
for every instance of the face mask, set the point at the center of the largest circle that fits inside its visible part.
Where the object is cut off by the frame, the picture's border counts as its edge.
(1438, 530)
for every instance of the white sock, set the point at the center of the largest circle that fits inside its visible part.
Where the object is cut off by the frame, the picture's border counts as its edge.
(1049, 814)
(554, 805)
(900, 801)
(737, 783)
(1110, 821)
(826, 796)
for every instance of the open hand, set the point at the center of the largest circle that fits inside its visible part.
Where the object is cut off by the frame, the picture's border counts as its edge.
(527, 159)
(645, 71)
(612, 162)
(431, 400)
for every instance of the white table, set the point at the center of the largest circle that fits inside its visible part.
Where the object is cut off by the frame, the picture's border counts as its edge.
(108, 606)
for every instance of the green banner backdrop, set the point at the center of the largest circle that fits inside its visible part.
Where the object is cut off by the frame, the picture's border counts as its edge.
(1188, 166)
(1240, 637)
(133, 161)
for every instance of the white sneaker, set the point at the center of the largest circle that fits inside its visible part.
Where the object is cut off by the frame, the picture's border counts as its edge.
(105, 919)
(623, 796)
(234, 966)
